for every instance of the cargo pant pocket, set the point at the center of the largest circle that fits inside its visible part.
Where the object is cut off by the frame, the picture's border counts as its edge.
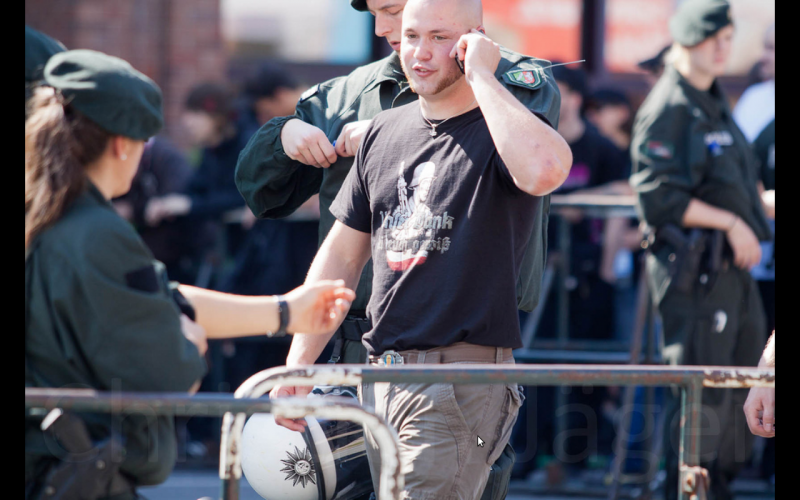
(505, 423)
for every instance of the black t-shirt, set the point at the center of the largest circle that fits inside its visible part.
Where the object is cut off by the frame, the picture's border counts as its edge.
(595, 161)
(449, 228)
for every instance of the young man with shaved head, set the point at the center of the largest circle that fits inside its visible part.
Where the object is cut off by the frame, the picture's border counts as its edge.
(291, 158)
(443, 196)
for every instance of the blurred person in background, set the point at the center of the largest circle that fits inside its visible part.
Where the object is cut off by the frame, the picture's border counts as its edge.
(211, 194)
(162, 171)
(275, 254)
(693, 169)
(598, 167)
(654, 67)
(293, 157)
(212, 206)
(99, 310)
(756, 107)
(272, 91)
(611, 112)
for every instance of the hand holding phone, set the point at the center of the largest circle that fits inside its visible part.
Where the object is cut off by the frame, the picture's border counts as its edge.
(483, 54)
(459, 62)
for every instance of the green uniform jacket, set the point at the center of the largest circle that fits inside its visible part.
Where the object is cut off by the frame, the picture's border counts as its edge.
(274, 186)
(99, 314)
(686, 145)
(764, 147)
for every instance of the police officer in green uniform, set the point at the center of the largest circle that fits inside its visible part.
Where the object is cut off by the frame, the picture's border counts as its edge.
(292, 158)
(99, 311)
(693, 168)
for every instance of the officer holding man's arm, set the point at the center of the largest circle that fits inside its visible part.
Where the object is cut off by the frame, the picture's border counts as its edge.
(693, 170)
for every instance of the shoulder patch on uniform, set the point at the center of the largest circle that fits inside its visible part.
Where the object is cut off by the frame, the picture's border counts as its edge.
(658, 149)
(308, 93)
(143, 279)
(528, 78)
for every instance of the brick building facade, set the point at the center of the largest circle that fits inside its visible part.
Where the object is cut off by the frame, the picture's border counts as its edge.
(177, 43)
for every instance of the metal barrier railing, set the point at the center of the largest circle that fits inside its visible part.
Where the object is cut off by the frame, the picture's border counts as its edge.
(692, 381)
(214, 405)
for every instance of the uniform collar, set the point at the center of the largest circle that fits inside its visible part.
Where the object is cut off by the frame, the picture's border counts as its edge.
(391, 70)
(94, 195)
(712, 101)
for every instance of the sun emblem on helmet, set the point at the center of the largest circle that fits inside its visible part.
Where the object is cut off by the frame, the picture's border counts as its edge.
(299, 467)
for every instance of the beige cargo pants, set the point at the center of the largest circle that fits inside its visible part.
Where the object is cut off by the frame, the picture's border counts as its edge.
(438, 425)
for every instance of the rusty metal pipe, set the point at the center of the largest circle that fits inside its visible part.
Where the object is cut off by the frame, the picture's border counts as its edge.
(710, 376)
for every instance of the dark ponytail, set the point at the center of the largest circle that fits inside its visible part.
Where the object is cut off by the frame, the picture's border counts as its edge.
(59, 144)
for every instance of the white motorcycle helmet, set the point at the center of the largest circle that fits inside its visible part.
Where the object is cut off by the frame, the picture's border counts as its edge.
(327, 461)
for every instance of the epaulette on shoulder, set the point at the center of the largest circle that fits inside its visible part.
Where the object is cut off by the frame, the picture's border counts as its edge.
(521, 70)
(362, 74)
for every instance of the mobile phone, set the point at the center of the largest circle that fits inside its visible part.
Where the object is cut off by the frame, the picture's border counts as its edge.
(460, 64)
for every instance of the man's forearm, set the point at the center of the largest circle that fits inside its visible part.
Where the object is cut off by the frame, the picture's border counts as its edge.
(329, 263)
(537, 157)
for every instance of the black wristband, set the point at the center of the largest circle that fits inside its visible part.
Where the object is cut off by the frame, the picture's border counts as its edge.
(283, 315)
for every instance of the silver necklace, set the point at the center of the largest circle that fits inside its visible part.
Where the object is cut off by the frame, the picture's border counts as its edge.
(434, 125)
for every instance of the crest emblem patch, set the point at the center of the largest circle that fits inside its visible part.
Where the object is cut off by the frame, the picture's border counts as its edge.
(530, 78)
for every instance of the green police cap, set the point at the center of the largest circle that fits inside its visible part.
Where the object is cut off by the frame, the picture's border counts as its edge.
(108, 91)
(360, 5)
(697, 20)
(38, 49)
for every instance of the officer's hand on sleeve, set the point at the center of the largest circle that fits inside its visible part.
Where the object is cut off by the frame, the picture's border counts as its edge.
(282, 391)
(318, 308)
(746, 248)
(195, 333)
(348, 141)
(479, 53)
(759, 409)
(307, 144)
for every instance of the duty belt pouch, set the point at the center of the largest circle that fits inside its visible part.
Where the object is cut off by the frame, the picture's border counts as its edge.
(86, 470)
(717, 246)
(352, 329)
(685, 256)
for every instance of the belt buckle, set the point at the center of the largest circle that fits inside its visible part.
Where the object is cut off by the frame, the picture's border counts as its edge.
(390, 358)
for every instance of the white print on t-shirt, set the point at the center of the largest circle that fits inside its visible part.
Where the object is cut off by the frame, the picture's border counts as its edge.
(408, 233)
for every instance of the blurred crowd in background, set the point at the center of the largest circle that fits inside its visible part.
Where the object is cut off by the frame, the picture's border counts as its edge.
(186, 206)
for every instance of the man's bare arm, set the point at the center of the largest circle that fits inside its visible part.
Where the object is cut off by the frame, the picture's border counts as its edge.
(343, 255)
(537, 157)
